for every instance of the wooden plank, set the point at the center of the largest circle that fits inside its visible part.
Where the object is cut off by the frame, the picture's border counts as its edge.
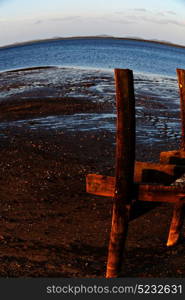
(144, 172)
(104, 186)
(125, 158)
(176, 223)
(176, 157)
(100, 185)
(160, 193)
(157, 173)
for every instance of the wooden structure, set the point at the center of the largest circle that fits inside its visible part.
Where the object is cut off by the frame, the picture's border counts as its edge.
(133, 179)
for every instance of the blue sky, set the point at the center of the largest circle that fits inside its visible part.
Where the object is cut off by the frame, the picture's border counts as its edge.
(22, 20)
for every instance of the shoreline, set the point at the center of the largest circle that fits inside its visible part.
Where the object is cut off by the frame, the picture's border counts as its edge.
(60, 94)
(83, 68)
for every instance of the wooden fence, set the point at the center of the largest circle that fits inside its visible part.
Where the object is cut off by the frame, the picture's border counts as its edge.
(130, 181)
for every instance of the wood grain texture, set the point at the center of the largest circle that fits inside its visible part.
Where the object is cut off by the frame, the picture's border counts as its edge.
(104, 186)
(124, 177)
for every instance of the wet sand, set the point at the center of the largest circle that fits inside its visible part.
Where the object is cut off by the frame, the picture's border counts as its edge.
(49, 225)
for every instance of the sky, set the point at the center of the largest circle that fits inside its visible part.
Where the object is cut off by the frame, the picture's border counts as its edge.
(22, 20)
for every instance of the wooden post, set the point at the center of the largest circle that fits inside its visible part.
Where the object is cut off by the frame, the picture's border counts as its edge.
(178, 156)
(181, 81)
(125, 158)
(178, 211)
(176, 223)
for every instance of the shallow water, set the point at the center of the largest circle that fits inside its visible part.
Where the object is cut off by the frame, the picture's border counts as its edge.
(157, 101)
(91, 83)
(154, 131)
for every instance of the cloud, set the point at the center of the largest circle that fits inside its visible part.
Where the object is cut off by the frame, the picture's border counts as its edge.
(38, 22)
(163, 21)
(136, 10)
(140, 15)
(59, 19)
(64, 19)
(170, 12)
(140, 9)
(121, 21)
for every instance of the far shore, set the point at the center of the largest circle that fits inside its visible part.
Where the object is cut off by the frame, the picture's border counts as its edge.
(40, 41)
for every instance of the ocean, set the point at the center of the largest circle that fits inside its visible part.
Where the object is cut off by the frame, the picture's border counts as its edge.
(145, 57)
(83, 68)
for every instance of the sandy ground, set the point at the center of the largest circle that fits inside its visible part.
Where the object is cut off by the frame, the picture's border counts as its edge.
(49, 225)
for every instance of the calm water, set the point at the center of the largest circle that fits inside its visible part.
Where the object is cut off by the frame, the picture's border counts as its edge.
(140, 56)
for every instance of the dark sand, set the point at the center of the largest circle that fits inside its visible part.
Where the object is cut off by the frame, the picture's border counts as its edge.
(49, 225)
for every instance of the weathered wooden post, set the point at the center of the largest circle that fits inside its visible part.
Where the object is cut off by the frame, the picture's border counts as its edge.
(125, 159)
(179, 212)
(181, 81)
(176, 223)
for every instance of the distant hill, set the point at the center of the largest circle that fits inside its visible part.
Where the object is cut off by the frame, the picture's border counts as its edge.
(103, 36)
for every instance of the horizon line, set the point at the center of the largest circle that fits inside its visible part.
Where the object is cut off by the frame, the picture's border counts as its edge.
(103, 36)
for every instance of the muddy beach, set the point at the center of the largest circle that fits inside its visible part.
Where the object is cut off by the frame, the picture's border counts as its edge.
(52, 134)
